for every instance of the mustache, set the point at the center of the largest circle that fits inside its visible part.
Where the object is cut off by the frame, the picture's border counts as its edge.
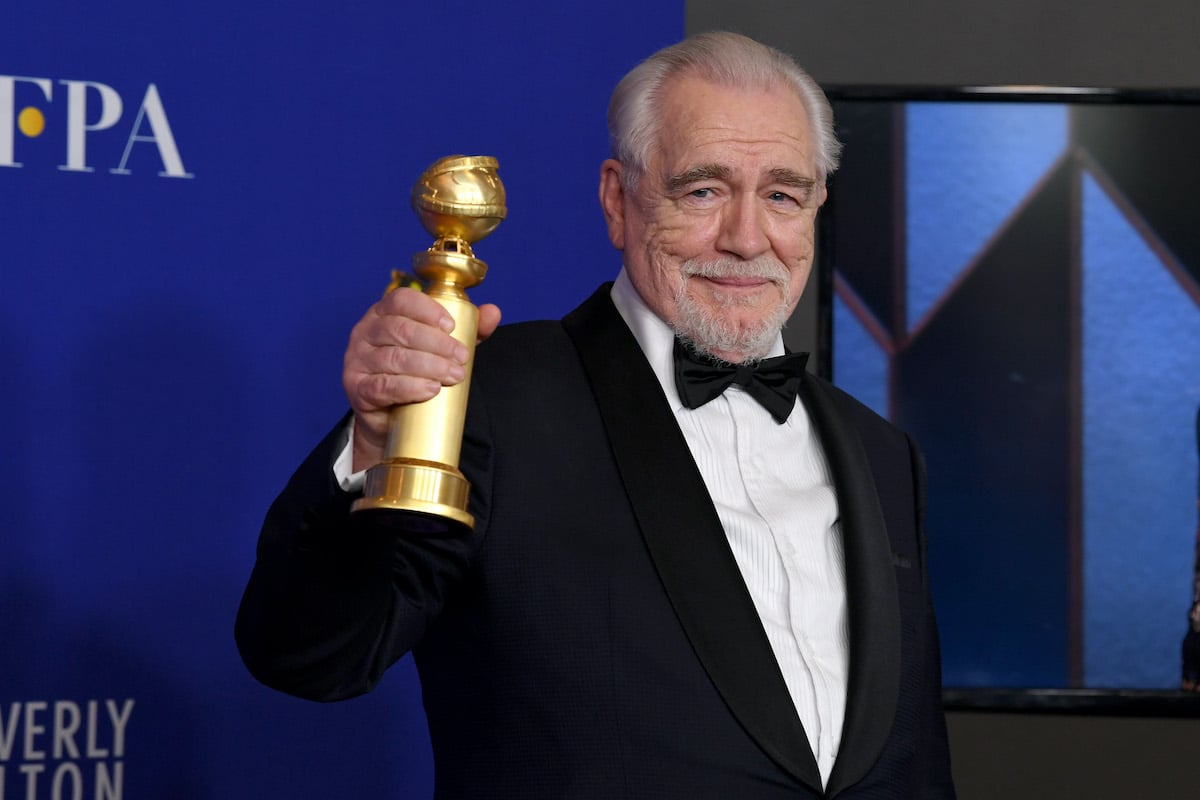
(765, 267)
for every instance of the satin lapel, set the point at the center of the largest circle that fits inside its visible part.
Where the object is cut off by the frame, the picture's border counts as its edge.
(685, 537)
(873, 607)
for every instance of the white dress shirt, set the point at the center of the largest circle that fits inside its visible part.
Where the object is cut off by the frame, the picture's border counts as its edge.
(776, 501)
(771, 487)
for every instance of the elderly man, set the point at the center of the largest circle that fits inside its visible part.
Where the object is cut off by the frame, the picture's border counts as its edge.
(696, 570)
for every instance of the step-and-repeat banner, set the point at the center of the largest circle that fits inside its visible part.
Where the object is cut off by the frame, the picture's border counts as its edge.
(197, 202)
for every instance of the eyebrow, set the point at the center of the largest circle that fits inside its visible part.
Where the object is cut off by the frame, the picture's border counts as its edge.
(704, 172)
(718, 172)
(792, 178)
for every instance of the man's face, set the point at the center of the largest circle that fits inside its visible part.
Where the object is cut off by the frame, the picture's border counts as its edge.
(718, 234)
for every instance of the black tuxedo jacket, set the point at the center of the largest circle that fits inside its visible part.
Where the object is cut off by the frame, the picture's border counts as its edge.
(593, 637)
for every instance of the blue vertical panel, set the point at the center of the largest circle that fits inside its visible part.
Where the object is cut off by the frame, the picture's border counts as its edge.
(1139, 461)
(969, 165)
(862, 365)
(197, 201)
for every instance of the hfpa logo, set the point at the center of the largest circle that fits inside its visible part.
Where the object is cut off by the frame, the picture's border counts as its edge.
(90, 107)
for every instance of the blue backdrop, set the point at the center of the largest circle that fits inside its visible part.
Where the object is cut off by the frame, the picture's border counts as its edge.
(196, 204)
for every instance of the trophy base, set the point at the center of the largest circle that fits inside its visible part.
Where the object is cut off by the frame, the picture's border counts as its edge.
(434, 495)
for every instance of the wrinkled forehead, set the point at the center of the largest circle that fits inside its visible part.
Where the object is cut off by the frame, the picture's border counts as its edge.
(707, 123)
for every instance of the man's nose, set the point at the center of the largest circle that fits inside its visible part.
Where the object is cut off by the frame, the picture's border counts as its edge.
(743, 228)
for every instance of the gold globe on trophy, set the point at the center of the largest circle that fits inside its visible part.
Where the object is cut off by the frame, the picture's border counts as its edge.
(460, 200)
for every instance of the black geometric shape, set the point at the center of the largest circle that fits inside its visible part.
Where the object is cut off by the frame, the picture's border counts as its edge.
(867, 194)
(1149, 152)
(986, 387)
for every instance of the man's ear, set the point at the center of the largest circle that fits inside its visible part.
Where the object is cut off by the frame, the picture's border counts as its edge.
(612, 201)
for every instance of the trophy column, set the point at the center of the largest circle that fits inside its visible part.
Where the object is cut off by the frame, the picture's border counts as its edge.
(459, 200)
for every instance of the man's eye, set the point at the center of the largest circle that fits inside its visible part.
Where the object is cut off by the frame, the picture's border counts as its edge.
(702, 193)
(781, 197)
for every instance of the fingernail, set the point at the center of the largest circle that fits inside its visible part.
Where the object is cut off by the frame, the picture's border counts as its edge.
(460, 354)
(446, 324)
(457, 373)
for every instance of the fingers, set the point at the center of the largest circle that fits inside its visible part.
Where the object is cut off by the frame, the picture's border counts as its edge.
(400, 352)
(409, 319)
(489, 319)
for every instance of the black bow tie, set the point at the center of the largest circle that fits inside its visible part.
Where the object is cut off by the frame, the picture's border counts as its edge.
(774, 382)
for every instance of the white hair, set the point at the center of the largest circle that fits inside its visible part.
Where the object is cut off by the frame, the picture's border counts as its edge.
(720, 57)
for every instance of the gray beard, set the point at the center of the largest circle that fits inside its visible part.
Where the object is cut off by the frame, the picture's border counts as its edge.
(708, 333)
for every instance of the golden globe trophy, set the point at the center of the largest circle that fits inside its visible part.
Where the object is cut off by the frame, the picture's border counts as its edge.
(459, 200)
